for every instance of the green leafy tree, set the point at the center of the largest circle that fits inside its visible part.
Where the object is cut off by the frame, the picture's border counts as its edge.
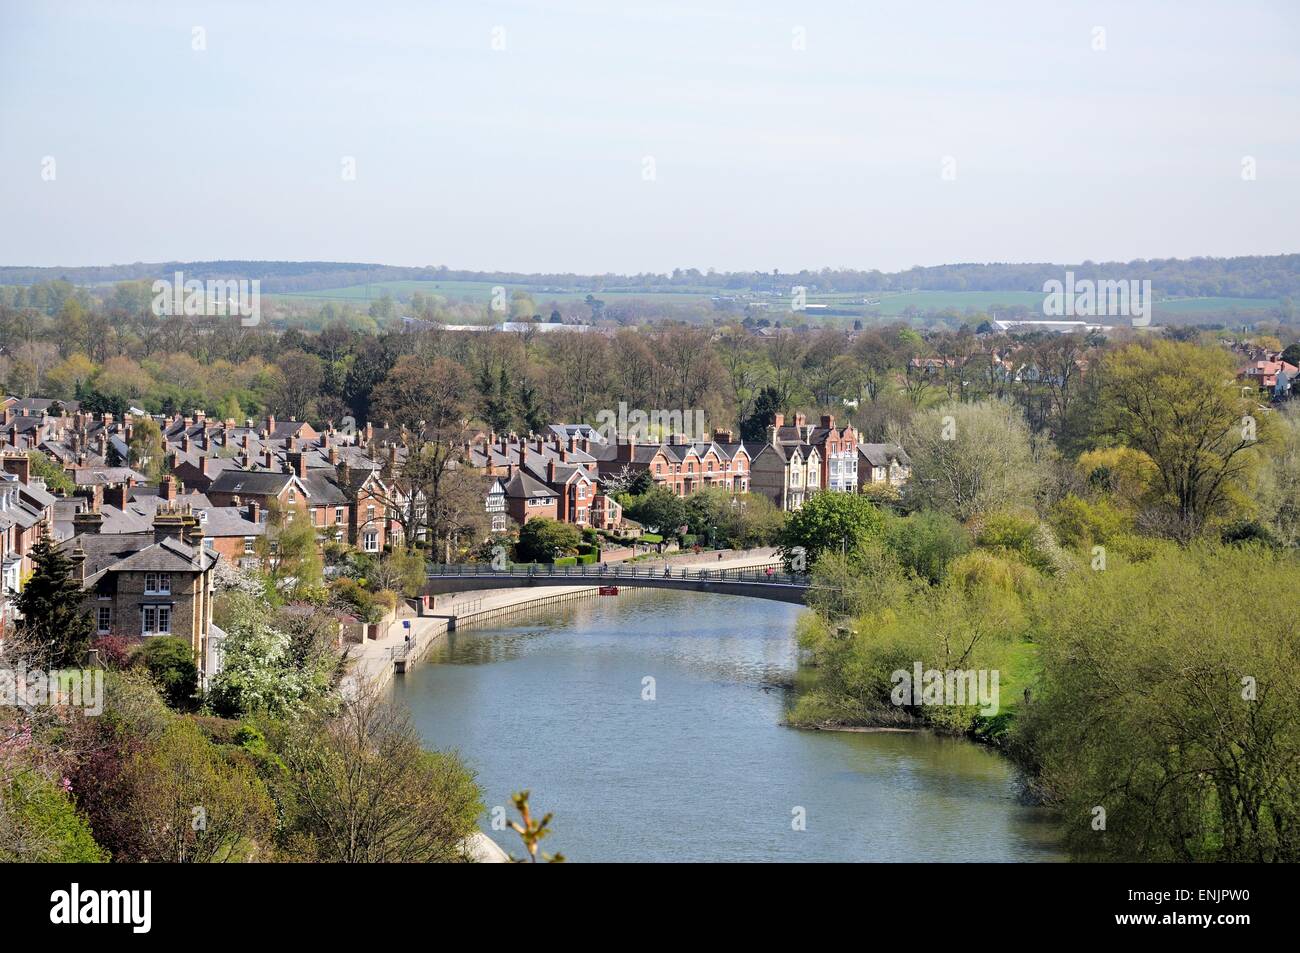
(288, 552)
(54, 623)
(39, 824)
(1170, 699)
(543, 539)
(56, 480)
(148, 452)
(926, 542)
(834, 522)
(189, 805)
(660, 510)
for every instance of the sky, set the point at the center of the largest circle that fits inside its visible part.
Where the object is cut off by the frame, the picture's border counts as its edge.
(595, 137)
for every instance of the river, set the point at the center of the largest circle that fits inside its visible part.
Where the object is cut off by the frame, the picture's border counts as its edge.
(558, 701)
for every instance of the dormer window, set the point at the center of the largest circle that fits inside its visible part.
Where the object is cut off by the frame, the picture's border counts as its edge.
(158, 583)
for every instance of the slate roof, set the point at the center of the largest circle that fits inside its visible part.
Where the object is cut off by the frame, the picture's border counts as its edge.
(251, 482)
(879, 454)
(524, 486)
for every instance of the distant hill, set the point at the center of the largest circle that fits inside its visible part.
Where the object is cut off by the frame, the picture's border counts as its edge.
(1255, 276)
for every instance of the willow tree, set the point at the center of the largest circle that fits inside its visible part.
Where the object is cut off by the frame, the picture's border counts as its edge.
(1178, 404)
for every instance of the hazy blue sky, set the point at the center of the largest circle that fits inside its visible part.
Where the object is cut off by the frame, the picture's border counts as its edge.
(531, 158)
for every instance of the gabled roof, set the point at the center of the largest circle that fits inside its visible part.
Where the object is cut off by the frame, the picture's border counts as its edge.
(879, 454)
(523, 486)
(167, 555)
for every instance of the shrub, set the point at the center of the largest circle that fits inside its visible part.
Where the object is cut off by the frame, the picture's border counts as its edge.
(1080, 523)
(115, 651)
(983, 570)
(170, 662)
(1022, 537)
(1249, 531)
(926, 542)
(48, 825)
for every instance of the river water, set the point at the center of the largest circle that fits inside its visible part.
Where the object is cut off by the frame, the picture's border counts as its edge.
(651, 724)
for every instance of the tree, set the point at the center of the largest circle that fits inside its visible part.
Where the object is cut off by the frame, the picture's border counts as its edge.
(298, 385)
(148, 451)
(660, 510)
(402, 570)
(39, 824)
(427, 401)
(54, 623)
(1170, 699)
(360, 789)
(1178, 404)
(288, 552)
(926, 542)
(56, 479)
(970, 458)
(1279, 480)
(834, 522)
(767, 404)
(542, 539)
(261, 672)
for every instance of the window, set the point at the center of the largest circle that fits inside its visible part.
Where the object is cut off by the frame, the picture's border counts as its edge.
(338, 515)
(249, 544)
(155, 620)
(372, 542)
(104, 619)
(158, 583)
(370, 514)
(292, 497)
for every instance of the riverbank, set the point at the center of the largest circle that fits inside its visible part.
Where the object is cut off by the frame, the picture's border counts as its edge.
(561, 706)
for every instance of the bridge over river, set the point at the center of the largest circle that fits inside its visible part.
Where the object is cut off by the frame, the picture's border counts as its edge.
(761, 582)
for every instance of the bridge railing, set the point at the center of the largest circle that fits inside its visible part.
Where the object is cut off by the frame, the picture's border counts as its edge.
(615, 571)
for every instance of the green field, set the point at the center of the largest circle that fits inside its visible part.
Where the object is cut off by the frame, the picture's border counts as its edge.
(481, 291)
(889, 304)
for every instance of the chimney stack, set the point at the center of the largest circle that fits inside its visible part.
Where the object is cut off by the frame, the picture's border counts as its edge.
(87, 520)
(20, 465)
(169, 523)
(115, 494)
